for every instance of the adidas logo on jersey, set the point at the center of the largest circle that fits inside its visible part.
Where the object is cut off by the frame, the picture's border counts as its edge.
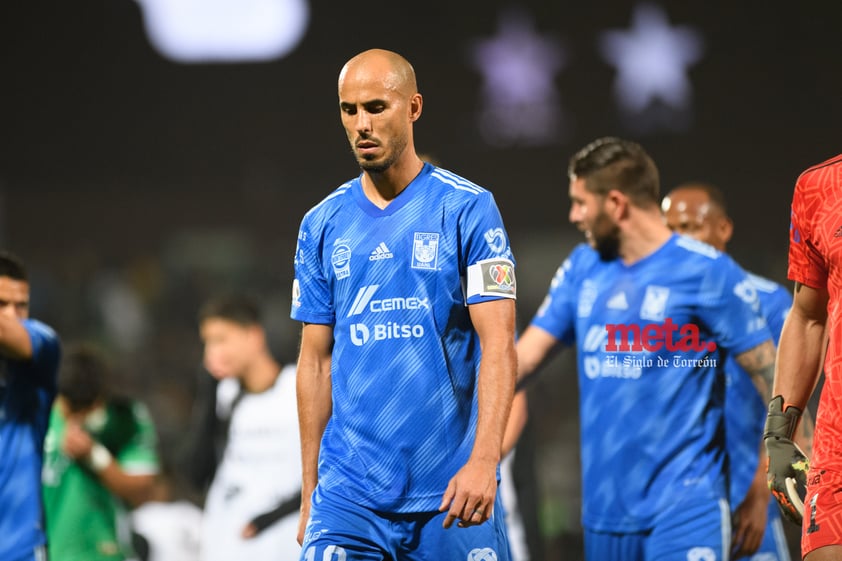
(838, 233)
(382, 251)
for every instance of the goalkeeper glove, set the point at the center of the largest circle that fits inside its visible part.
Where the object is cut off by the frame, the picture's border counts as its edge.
(786, 471)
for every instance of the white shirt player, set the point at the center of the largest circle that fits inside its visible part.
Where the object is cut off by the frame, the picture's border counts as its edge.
(260, 468)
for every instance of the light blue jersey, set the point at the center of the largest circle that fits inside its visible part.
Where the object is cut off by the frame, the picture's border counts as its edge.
(27, 390)
(651, 338)
(394, 283)
(745, 416)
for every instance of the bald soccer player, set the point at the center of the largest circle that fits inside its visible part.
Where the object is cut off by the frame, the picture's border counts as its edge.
(404, 283)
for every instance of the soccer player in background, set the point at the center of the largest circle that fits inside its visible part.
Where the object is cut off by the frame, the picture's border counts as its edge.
(811, 330)
(252, 504)
(404, 280)
(699, 210)
(643, 307)
(100, 459)
(29, 356)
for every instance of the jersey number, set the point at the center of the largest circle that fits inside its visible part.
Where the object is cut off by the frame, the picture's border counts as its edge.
(331, 553)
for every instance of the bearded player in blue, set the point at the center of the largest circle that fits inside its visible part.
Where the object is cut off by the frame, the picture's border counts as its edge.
(652, 315)
(29, 357)
(404, 280)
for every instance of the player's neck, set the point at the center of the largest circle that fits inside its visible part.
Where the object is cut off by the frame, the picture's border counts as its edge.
(381, 188)
(642, 237)
(261, 375)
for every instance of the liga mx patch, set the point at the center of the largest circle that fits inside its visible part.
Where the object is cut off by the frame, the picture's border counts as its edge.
(425, 250)
(492, 277)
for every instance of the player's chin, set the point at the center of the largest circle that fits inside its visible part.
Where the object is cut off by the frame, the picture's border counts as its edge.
(372, 167)
(222, 373)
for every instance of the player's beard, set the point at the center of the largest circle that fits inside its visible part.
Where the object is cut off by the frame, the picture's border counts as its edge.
(392, 152)
(605, 237)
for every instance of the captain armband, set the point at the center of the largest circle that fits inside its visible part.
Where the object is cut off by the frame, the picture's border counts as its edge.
(491, 277)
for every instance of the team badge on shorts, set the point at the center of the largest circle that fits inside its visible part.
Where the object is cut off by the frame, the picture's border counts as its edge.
(482, 554)
(425, 250)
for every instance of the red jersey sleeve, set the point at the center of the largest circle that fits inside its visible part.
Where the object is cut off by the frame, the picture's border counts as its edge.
(806, 264)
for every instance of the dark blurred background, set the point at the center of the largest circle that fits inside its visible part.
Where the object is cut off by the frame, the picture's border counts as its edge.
(135, 184)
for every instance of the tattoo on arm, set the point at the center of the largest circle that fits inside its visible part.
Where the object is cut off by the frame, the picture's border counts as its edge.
(759, 362)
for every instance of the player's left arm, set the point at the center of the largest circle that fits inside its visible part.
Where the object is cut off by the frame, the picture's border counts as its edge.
(759, 362)
(471, 492)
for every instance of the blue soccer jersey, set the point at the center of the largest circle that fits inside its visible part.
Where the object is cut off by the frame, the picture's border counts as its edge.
(651, 338)
(745, 413)
(27, 390)
(395, 284)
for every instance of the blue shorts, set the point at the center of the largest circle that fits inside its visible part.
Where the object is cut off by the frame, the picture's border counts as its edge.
(698, 530)
(339, 530)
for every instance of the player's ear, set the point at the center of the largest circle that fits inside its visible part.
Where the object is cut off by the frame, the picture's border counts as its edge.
(617, 204)
(416, 103)
(725, 229)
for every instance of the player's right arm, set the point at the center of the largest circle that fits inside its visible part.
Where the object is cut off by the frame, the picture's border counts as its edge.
(313, 388)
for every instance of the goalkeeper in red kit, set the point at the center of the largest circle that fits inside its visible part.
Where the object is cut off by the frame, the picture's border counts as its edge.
(808, 492)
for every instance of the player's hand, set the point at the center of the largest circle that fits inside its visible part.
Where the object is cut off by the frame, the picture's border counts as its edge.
(249, 531)
(750, 519)
(470, 494)
(77, 442)
(787, 467)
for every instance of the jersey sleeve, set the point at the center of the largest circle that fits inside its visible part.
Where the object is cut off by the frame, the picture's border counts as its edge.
(311, 296)
(731, 307)
(46, 352)
(557, 313)
(776, 307)
(488, 260)
(806, 264)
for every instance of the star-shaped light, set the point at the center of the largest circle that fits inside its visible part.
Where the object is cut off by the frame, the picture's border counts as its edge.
(518, 65)
(652, 59)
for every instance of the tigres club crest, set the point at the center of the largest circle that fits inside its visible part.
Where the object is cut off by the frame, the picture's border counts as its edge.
(425, 250)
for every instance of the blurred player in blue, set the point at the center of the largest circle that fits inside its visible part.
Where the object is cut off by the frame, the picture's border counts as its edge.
(404, 280)
(644, 309)
(699, 210)
(29, 358)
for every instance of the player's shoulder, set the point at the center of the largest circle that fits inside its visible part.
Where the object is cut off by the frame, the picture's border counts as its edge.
(580, 259)
(39, 329)
(329, 204)
(449, 183)
(582, 255)
(697, 249)
(822, 175)
(831, 163)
